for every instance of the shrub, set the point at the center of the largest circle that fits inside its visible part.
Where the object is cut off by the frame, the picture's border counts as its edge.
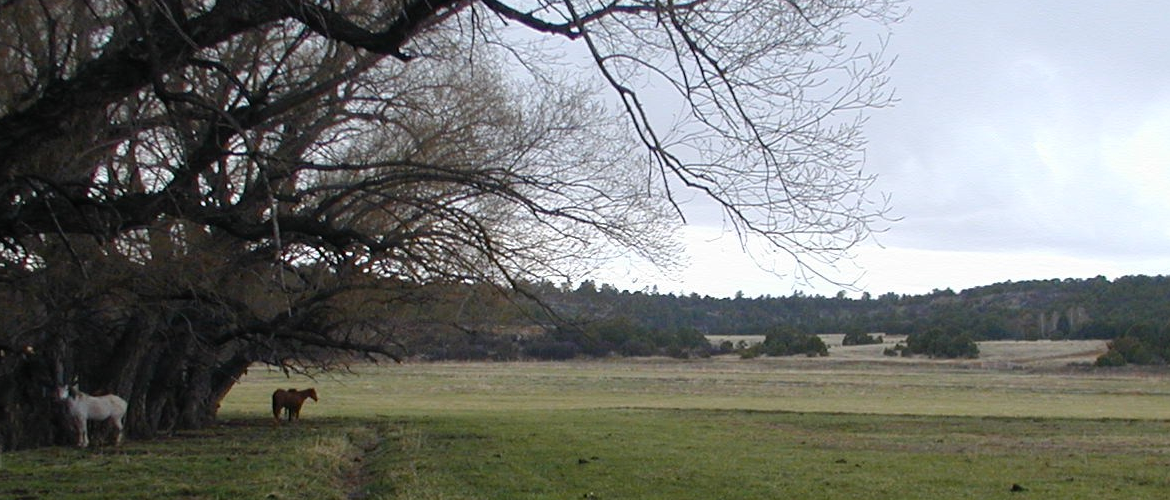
(1111, 358)
(636, 347)
(552, 350)
(726, 347)
(785, 341)
(860, 338)
(1129, 350)
(899, 349)
(939, 344)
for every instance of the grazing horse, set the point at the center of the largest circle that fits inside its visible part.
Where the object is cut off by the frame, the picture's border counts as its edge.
(83, 408)
(290, 401)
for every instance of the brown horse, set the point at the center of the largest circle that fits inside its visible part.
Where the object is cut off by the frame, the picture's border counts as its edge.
(290, 401)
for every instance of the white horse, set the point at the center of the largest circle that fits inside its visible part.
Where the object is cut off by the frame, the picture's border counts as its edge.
(83, 408)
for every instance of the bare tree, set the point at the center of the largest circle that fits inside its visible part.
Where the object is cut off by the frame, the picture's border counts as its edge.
(187, 188)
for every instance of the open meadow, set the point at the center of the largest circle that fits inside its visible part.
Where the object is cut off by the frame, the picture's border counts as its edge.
(1018, 423)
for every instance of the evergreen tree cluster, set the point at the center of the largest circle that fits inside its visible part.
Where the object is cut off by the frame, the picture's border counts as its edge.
(939, 344)
(786, 341)
(600, 320)
(860, 338)
(1142, 344)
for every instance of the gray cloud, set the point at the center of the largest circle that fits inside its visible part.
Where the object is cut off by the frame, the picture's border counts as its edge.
(1031, 141)
(1021, 125)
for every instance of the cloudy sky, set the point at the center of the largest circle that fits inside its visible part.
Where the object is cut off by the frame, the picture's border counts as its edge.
(1031, 141)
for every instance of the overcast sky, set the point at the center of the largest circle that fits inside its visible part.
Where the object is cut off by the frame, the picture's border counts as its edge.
(1031, 141)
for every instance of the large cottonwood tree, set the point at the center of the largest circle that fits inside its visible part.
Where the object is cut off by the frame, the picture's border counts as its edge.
(189, 187)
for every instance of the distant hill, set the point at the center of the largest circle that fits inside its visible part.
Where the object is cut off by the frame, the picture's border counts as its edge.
(1095, 308)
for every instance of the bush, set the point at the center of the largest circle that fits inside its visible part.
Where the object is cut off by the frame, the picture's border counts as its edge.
(678, 352)
(552, 350)
(939, 344)
(785, 341)
(1129, 350)
(1133, 350)
(1111, 358)
(726, 347)
(859, 338)
(636, 347)
(460, 351)
(625, 336)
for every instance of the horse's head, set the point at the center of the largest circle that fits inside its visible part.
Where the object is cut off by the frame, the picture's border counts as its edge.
(312, 392)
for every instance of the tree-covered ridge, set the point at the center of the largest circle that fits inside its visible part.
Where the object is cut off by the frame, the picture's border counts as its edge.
(565, 321)
(1095, 308)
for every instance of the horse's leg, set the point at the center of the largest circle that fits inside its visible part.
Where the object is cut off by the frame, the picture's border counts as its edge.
(118, 421)
(82, 432)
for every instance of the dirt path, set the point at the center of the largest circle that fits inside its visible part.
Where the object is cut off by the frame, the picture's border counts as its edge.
(356, 476)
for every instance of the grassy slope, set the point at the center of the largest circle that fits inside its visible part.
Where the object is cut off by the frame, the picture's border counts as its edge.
(650, 429)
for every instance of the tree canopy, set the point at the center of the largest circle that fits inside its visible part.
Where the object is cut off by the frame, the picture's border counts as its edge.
(190, 187)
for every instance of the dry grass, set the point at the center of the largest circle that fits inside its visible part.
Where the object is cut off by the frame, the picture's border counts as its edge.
(1008, 354)
(1013, 380)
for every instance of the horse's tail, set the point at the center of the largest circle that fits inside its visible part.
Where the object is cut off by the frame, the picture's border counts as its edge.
(277, 403)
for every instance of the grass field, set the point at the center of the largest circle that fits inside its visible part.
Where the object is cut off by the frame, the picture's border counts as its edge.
(848, 426)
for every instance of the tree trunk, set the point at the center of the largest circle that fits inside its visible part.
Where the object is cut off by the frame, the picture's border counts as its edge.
(169, 379)
(29, 415)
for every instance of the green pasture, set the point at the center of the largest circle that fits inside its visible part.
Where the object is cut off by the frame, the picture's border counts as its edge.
(649, 429)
